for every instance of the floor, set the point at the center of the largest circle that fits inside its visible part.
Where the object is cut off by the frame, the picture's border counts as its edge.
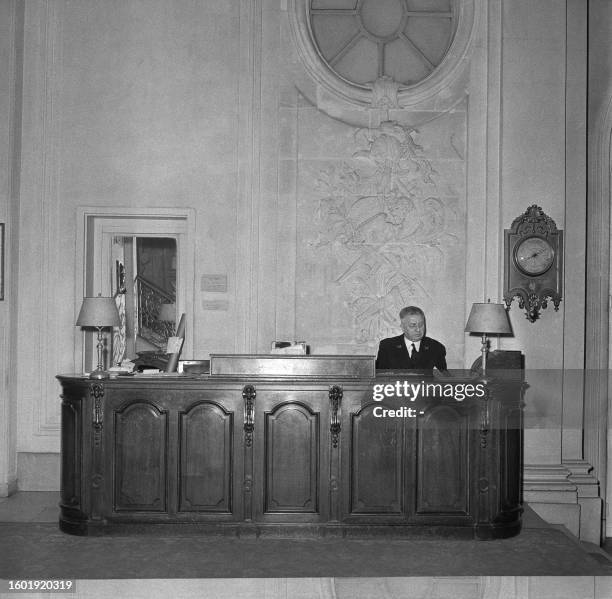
(32, 548)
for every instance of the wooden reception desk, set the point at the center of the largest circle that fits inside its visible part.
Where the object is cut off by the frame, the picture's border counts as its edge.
(290, 445)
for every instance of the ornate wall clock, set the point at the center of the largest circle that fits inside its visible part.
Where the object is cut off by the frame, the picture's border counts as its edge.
(533, 256)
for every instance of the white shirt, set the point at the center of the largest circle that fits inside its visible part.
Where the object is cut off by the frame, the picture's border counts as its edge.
(409, 343)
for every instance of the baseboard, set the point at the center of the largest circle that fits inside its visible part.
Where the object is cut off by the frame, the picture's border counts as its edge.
(8, 488)
(566, 515)
(565, 494)
(38, 471)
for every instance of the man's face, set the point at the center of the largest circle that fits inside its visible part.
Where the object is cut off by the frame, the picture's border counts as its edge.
(413, 326)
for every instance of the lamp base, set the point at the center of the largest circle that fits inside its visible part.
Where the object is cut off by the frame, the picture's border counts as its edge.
(99, 374)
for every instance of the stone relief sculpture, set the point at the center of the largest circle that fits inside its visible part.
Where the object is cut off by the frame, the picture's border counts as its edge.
(384, 93)
(382, 214)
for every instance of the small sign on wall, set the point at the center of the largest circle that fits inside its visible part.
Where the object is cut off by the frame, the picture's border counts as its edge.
(214, 283)
(222, 305)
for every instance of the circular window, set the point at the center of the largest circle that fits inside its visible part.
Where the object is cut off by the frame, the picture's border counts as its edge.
(364, 40)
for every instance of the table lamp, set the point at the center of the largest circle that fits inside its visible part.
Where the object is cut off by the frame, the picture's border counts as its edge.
(488, 319)
(98, 312)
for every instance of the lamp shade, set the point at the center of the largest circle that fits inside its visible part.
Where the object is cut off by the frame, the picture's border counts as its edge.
(488, 318)
(98, 312)
(167, 312)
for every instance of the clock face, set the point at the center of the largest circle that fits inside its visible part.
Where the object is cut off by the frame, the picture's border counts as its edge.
(534, 256)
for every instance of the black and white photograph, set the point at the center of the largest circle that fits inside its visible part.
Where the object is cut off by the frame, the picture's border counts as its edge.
(306, 299)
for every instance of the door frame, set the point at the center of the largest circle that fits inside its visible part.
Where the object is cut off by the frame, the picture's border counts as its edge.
(96, 224)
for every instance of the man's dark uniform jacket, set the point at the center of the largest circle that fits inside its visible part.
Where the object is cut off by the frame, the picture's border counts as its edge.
(393, 355)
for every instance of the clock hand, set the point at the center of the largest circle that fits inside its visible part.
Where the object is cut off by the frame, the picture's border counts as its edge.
(529, 258)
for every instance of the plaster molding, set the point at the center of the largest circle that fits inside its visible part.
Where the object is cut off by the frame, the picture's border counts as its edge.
(566, 494)
(438, 87)
(13, 25)
(286, 253)
(48, 420)
(581, 472)
(589, 500)
(574, 236)
(41, 196)
(598, 383)
(546, 476)
(549, 492)
(249, 173)
(483, 163)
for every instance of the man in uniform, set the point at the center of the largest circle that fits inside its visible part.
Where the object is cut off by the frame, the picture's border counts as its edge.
(412, 350)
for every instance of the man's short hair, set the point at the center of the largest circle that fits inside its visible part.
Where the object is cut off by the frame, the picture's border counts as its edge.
(411, 311)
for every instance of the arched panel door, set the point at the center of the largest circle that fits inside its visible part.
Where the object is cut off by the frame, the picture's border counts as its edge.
(140, 446)
(205, 459)
(290, 454)
(377, 469)
(443, 470)
(291, 459)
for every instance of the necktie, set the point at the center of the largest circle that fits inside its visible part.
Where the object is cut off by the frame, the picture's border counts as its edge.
(413, 351)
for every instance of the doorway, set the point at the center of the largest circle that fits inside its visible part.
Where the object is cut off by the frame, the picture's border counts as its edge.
(145, 262)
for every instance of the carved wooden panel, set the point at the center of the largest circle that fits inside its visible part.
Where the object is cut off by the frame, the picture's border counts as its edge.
(511, 447)
(291, 449)
(443, 461)
(377, 464)
(205, 459)
(140, 450)
(72, 453)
